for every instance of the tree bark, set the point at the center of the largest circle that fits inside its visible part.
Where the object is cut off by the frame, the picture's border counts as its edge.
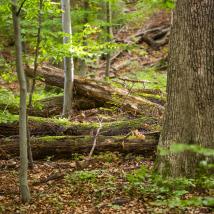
(65, 146)
(68, 61)
(24, 189)
(189, 115)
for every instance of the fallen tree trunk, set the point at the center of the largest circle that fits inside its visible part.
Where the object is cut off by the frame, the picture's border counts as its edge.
(54, 127)
(65, 146)
(155, 37)
(101, 92)
(53, 105)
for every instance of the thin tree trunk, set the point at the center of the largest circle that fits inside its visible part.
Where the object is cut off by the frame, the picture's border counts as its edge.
(83, 68)
(109, 35)
(36, 53)
(189, 115)
(30, 155)
(68, 61)
(24, 189)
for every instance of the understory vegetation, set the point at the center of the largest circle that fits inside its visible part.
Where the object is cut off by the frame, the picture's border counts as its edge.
(102, 157)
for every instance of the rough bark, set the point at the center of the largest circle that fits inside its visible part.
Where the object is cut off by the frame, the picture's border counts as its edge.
(24, 189)
(53, 127)
(101, 92)
(68, 61)
(189, 115)
(65, 146)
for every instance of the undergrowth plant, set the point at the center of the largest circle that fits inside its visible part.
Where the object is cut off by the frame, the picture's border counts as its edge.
(175, 192)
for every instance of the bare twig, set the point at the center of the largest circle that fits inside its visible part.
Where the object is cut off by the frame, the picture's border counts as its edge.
(129, 92)
(84, 163)
(95, 139)
(20, 8)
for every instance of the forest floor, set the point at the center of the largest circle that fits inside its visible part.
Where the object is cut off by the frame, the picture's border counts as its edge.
(111, 182)
(107, 185)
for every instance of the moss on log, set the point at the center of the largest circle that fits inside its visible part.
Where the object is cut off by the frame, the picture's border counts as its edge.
(56, 127)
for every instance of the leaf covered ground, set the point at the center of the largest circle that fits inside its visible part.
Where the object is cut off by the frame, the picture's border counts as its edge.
(111, 183)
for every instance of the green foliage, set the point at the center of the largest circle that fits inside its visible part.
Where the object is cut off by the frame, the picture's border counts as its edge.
(150, 4)
(5, 17)
(177, 148)
(41, 94)
(77, 157)
(2, 208)
(7, 117)
(7, 98)
(157, 80)
(109, 157)
(83, 177)
(197, 149)
(169, 191)
(105, 188)
(6, 70)
(7, 101)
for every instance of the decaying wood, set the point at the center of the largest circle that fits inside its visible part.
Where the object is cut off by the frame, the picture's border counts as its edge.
(101, 92)
(53, 127)
(65, 146)
(53, 105)
(155, 37)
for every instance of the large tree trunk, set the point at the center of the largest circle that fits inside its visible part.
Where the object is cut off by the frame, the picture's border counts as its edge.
(24, 189)
(101, 92)
(189, 115)
(68, 61)
(65, 146)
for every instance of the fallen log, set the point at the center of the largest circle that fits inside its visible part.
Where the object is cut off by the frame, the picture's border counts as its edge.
(101, 92)
(54, 127)
(65, 146)
(53, 105)
(154, 37)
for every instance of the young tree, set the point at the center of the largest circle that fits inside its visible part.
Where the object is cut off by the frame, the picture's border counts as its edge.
(82, 64)
(189, 117)
(24, 189)
(68, 61)
(109, 34)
